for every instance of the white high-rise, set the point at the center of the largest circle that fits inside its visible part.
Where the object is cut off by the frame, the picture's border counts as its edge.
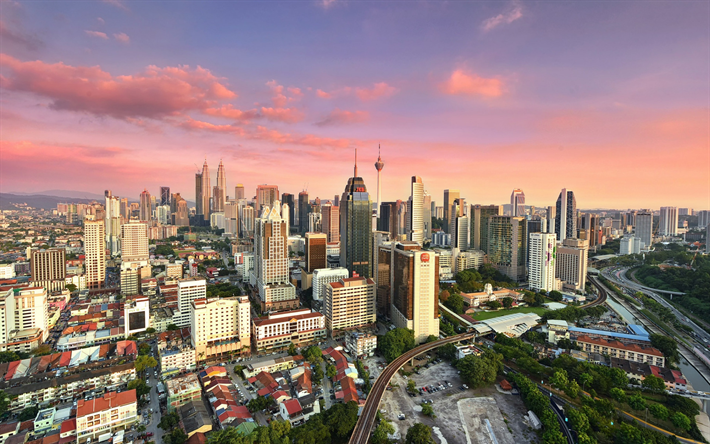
(220, 326)
(416, 213)
(95, 253)
(231, 218)
(112, 223)
(541, 274)
(668, 222)
(189, 289)
(23, 317)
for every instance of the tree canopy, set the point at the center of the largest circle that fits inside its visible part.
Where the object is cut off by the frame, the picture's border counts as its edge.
(395, 342)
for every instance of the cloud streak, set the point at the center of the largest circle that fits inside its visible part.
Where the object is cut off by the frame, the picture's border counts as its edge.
(514, 13)
(470, 84)
(122, 37)
(341, 117)
(97, 34)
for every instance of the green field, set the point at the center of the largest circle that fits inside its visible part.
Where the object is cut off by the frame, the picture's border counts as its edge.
(481, 316)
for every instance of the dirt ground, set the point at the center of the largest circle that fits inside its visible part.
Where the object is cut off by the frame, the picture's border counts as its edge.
(460, 415)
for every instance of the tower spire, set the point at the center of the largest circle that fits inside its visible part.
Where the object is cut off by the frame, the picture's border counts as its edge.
(355, 175)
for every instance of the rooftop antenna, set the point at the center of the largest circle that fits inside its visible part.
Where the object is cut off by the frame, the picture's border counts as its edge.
(355, 163)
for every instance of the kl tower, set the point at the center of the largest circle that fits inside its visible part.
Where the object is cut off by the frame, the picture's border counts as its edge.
(378, 165)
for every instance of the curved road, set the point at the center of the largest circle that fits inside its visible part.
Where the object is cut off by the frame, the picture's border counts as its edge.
(366, 421)
(602, 293)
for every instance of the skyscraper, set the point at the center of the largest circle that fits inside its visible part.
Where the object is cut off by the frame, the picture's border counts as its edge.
(287, 199)
(315, 251)
(416, 215)
(206, 190)
(449, 197)
(517, 203)
(668, 222)
(164, 196)
(266, 195)
(134, 242)
(427, 215)
(571, 263)
(644, 228)
(95, 253)
(551, 217)
(330, 222)
(541, 275)
(231, 218)
(507, 245)
(199, 201)
(239, 192)
(479, 217)
(461, 230)
(356, 227)
(566, 216)
(388, 218)
(181, 217)
(145, 206)
(378, 166)
(48, 268)
(415, 290)
(220, 190)
(271, 267)
(303, 210)
(112, 223)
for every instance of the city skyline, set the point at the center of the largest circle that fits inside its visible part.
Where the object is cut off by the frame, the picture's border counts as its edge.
(451, 104)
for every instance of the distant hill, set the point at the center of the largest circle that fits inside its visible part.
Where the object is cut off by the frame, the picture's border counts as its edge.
(36, 201)
(67, 194)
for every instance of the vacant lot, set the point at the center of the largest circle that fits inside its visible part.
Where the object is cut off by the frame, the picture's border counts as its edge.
(459, 415)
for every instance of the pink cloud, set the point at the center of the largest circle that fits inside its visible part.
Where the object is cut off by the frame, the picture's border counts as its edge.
(100, 20)
(192, 124)
(263, 133)
(154, 93)
(229, 112)
(379, 90)
(117, 3)
(101, 35)
(279, 97)
(324, 95)
(19, 38)
(340, 117)
(287, 115)
(505, 18)
(463, 83)
(122, 37)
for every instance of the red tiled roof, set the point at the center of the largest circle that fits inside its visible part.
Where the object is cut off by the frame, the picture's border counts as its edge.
(108, 401)
(267, 380)
(349, 390)
(264, 320)
(263, 392)
(293, 407)
(636, 348)
(68, 425)
(8, 428)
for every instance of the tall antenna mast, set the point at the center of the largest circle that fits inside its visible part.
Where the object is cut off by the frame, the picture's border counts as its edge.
(355, 163)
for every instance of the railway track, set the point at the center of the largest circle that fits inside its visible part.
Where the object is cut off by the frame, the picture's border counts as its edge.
(602, 293)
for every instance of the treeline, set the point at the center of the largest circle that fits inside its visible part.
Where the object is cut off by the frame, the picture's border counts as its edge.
(540, 405)
(695, 283)
(572, 313)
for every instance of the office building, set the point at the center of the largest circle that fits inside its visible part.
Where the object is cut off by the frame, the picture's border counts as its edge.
(668, 222)
(388, 218)
(479, 218)
(449, 197)
(181, 217)
(24, 317)
(266, 195)
(220, 190)
(507, 245)
(220, 326)
(205, 197)
(330, 222)
(279, 330)
(566, 216)
(630, 245)
(644, 228)
(134, 242)
(48, 268)
(703, 218)
(304, 207)
(461, 230)
(105, 415)
(541, 274)
(189, 289)
(349, 303)
(571, 264)
(415, 290)
(95, 254)
(416, 213)
(136, 315)
(466, 260)
(271, 267)
(112, 223)
(427, 210)
(517, 203)
(315, 251)
(125, 209)
(199, 201)
(231, 218)
(239, 192)
(288, 199)
(165, 196)
(145, 211)
(323, 276)
(356, 227)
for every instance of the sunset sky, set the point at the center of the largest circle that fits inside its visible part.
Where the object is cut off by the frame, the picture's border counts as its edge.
(608, 99)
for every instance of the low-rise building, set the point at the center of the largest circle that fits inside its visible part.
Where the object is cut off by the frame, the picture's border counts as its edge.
(98, 418)
(673, 379)
(616, 349)
(488, 294)
(269, 366)
(278, 330)
(361, 344)
(176, 352)
(183, 389)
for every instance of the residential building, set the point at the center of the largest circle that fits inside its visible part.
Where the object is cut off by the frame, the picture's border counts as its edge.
(541, 274)
(571, 264)
(220, 327)
(24, 318)
(461, 232)
(630, 245)
(189, 289)
(703, 218)
(616, 349)
(266, 195)
(278, 330)
(478, 218)
(416, 213)
(415, 290)
(507, 245)
(173, 270)
(349, 303)
(323, 276)
(427, 214)
(104, 415)
(330, 222)
(183, 389)
(668, 222)
(7, 271)
(517, 203)
(566, 216)
(231, 218)
(95, 254)
(466, 260)
(176, 352)
(145, 209)
(361, 344)
(271, 263)
(48, 268)
(112, 223)
(356, 227)
(644, 228)
(136, 315)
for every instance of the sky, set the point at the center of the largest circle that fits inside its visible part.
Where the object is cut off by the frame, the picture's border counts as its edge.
(608, 99)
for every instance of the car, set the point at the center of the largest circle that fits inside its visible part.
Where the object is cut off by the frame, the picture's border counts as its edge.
(401, 417)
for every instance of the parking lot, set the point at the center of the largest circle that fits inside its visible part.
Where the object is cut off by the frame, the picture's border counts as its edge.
(461, 413)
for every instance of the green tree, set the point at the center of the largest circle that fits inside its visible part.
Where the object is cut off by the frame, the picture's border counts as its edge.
(140, 386)
(654, 383)
(659, 411)
(628, 434)
(150, 330)
(313, 354)
(618, 395)
(383, 429)
(341, 420)
(507, 302)
(419, 434)
(395, 342)
(448, 351)
(431, 338)
(681, 421)
(172, 327)
(292, 349)
(578, 420)
(331, 371)
(428, 410)
(555, 295)
(9, 356)
(169, 421)
(477, 371)
(560, 379)
(585, 378)
(495, 305)
(28, 413)
(4, 402)
(411, 385)
(42, 350)
(176, 436)
(666, 345)
(637, 402)
(572, 389)
(71, 288)
(144, 362)
(455, 303)
(259, 403)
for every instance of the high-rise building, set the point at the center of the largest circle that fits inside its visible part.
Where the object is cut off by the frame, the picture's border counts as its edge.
(517, 203)
(460, 226)
(315, 251)
(590, 225)
(644, 228)
(449, 197)
(571, 264)
(220, 327)
(322, 276)
(145, 206)
(125, 211)
(378, 166)
(541, 275)
(427, 215)
(246, 220)
(199, 200)
(266, 195)
(206, 191)
(220, 190)
(668, 222)
(271, 267)
(479, 218)
(507, 245)
(356, 227)
(48, 268)
(288, 199)
(181, 216)
(330, 222)
(416, 211)
(239, 192)
(303, 209)
(703, 219)
(23, 318)
(165, 196)
(95, 253)
(415, 290)
(231, 218)
(314, 223)
(388, 218)
(189, 290)
(112, 223)
(134, 239)
(566, 216)
(551, 217)
(349, 303)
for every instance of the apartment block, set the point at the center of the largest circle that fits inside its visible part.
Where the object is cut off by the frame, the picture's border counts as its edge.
(278, 330)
